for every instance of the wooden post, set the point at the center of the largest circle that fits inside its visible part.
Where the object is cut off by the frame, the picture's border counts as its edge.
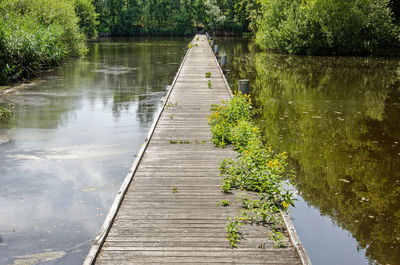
(224, 61)
(244, 86)
(216, 49)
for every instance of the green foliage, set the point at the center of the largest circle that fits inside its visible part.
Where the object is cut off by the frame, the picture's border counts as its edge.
(243, 133)
(26, 47)
(209, 84)
(40, 33)
(224, 203)
(326, 26)
(395, 6)
(208, 74)
(173, 17)
(50, 13)
(146, 17)
(226, 116)
(233, 234)
(278, 239)
(257, 168)
(5, 113)
(87, 16)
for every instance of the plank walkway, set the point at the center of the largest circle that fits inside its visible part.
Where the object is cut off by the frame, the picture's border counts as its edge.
(166, 209)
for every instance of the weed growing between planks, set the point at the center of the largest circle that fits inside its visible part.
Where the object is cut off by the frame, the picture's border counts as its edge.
(171, 105)
(233, 233)
(257, 169)
(179, 141)
(224, 203)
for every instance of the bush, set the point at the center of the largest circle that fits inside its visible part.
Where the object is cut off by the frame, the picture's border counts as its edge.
(227, 116)
(5, 114)
(243, 133)
(50, 13)
(87, 16)
(326, 26)
(26, 46)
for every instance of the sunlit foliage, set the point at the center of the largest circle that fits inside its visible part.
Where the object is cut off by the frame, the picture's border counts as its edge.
(326, 26)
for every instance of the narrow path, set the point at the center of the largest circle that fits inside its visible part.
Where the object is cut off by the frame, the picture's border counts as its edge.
(169, 213)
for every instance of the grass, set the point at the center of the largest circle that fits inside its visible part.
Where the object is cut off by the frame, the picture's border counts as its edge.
(208, 74)
(174, 189)
(257, 169)
(209, 84)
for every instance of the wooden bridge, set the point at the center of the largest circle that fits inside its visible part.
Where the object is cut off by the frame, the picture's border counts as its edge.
(166, 210)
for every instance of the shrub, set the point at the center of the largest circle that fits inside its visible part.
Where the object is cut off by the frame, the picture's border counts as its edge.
(50, 13)
(5, 114)
(326, 26)
(87, 16)
(226, 116)
(243, 133)
(26, 46)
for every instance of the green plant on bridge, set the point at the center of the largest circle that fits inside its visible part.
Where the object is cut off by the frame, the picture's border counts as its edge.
(257, 170)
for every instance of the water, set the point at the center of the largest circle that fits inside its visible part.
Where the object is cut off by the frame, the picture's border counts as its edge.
(339, 121)
(72, 140)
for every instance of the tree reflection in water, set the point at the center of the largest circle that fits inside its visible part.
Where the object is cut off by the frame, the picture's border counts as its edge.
(339, 120)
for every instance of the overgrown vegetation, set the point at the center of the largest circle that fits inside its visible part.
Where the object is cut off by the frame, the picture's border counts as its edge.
(41, 33)
(5, 113)
(257, 170)
(326, 26)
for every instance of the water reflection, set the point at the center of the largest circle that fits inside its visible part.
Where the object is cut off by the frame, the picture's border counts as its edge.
(339, 120)
(72, 140)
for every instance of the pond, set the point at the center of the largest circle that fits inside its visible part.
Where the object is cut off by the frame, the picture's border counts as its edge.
(339, 120)
(71, 142)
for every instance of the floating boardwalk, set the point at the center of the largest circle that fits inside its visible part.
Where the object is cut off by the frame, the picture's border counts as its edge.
(166, 211)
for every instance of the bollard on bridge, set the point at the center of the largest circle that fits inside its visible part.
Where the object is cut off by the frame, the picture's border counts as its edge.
(216, 49)
(244, 86)
(224, 61)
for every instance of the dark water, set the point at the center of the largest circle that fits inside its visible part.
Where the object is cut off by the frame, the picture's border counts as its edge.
(72, 140)
(339, 120)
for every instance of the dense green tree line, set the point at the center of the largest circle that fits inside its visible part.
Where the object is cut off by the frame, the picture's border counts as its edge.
(327, 26)
(173, 17)
(288, 26)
